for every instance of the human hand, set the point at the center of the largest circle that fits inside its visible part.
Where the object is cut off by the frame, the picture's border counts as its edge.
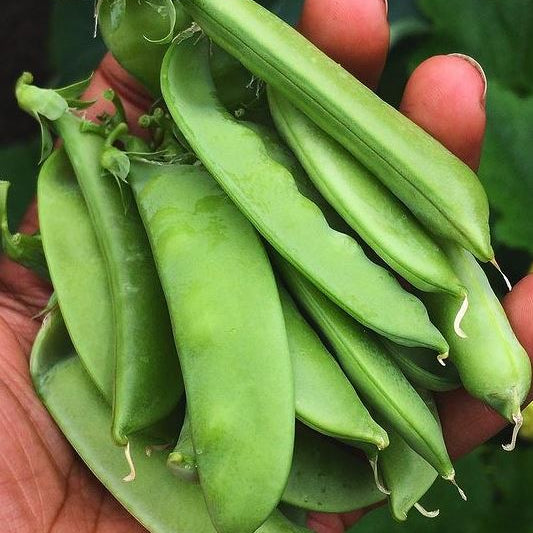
(445, 96)
(43, 484)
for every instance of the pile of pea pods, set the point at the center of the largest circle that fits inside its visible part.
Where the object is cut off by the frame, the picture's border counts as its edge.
(252, 310)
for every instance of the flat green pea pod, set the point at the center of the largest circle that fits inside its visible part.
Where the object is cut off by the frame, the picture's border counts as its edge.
(147, 383)
(266, 193)
(182, 460)
(422, 369)
(373, 373)
(231, 340)
(328, 476)
(406, 474)
(137, 32)
(26, 250)
(325, 400)
(77, 268)
(492, 364)
(366, 205)
(440, 190)
(66, 391)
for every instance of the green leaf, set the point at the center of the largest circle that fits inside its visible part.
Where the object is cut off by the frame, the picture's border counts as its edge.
(507, 165)
(497, 33)
(75, 90)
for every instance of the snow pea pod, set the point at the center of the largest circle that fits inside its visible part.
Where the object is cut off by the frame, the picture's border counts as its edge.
(422, 369)
(406, 474)
(440, 190)
(231, 340)
(325, 400)
(492, 364)
(78, 269)
(134, 32)
(266, 193)
(138, 33)
(66, 391)
(374, 375)
(327, 476)
(366, 205)
(147, 379)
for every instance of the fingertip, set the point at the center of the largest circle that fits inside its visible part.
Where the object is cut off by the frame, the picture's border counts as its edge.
(325, 522)
(445, 95)
(518, 305)
(355, 34)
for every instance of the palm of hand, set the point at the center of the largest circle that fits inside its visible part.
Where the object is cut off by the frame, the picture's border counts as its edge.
(44, 485)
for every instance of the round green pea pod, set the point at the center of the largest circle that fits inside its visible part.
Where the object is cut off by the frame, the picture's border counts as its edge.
(138, 33)
(492, 364)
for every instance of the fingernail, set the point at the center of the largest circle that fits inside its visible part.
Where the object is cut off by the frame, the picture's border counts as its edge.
(386, 6)
(479, 68)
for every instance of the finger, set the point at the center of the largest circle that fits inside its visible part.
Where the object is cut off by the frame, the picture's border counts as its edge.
(353, 33)
(518, 305)
(134, 97)
(446, 96)
(325, 523)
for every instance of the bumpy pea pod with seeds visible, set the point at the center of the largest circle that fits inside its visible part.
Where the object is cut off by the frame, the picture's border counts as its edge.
(266, 193)
(374, 375)
(440, 190)
(492, 364)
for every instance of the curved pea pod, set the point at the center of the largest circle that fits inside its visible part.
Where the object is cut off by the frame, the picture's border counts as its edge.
(77, 268)
(374, 375)
(266, 193)
(328, 476)
(231, 340)
(325, 400)
(492, 364)
(407, 475)
(26, 250)
(138, 35)
(422, 369)
(66, 391)
(440, 190)
(182, 460)
(148, 383)
(377, 216)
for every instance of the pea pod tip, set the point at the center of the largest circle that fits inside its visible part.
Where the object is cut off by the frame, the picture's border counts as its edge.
(132, 474)
(518, 420)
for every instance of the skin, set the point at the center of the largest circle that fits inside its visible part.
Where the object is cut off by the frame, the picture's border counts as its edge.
(43, 486)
